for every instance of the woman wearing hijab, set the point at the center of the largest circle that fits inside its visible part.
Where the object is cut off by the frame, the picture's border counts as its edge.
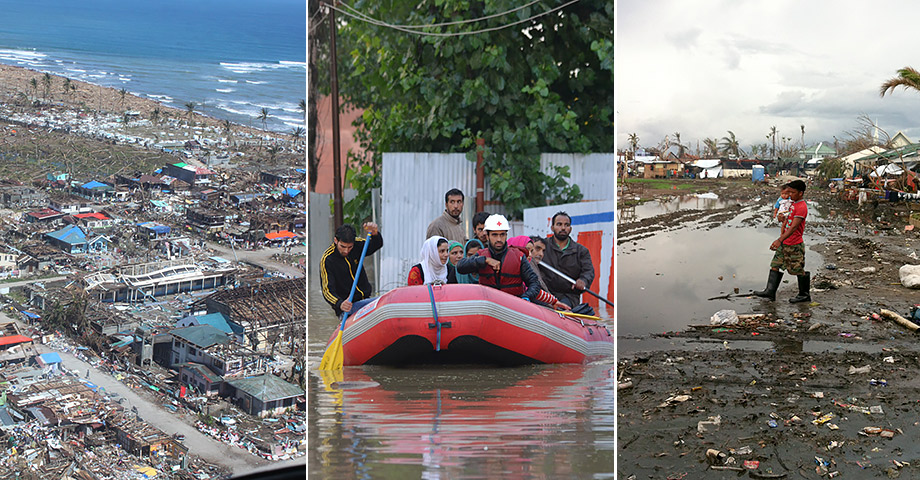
(454, 253)
(472, 247)
(433, 267)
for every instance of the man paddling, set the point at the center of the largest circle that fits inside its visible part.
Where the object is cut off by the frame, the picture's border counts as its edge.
(570, 258)
(501, 267)
(338, 264)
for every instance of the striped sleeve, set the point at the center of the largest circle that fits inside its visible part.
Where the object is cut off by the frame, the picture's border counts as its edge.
(547, 298)
(324, 278)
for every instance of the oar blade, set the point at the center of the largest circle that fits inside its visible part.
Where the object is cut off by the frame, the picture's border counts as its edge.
(333, 358)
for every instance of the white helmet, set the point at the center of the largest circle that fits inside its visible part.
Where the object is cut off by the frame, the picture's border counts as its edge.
(496, 223)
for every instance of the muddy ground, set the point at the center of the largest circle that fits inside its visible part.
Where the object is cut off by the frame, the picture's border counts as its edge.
(787, 402)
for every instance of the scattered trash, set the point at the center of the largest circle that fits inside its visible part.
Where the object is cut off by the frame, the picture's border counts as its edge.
(823, 419)
(899, 319)
(751, 464)
(715, 457)
(709, 425)
(624, 385)
(724, 317)
(910, 276)
(868, 270)
(674, 400)
(745, 450)
(888, 359)
(859, 371)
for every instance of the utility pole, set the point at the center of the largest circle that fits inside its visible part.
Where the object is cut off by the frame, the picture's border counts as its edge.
(336, 163)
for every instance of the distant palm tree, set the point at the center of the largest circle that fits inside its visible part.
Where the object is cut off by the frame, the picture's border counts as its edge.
(272, 153)
(155, 115)
(303, 108)
(907, 78)
(123, 93)
(263, 116)
(228, 129)
(772, 135)
(681, 148)
(46, 82)
(711, 146)
(730, 145)
(33, 83)
(66, 86)
(803, 135)
(190, 110)
(297, 134)
(634, 143)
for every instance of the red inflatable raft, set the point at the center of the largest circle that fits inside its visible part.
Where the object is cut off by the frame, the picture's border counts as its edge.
(467, 324)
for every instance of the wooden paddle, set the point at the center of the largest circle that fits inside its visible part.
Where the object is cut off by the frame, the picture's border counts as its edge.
(333, 358)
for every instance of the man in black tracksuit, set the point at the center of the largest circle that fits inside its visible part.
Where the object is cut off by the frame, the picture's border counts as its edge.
(338, 264)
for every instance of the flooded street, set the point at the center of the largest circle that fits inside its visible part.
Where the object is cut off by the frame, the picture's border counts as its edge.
(535, 421)
(670, 274)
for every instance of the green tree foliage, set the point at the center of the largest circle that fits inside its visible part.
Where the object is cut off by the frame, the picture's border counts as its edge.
(545, 85)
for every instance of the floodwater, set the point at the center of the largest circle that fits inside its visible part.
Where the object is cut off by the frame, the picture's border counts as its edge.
(539, 421)
(669, 277)
(702, 201)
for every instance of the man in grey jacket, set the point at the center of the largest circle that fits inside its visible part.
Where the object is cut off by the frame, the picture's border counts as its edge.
(570, 258)
(448, 225)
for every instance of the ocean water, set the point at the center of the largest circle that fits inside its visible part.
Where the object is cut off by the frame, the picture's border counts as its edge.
(231, 57)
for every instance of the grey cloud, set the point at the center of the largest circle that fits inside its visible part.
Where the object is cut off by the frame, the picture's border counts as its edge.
(684, 38)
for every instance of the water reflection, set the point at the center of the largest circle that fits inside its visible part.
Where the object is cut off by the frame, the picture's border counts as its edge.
(704, 201)
(669, 277)
(528, 422)
(544, 421)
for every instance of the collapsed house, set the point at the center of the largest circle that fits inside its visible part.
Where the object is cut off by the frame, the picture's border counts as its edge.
(143, 281)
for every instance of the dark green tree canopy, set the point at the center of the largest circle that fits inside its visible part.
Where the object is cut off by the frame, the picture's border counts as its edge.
(542, 85)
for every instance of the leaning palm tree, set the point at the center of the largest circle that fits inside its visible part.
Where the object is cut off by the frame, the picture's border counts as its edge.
(730, 145)
(681, 148)
(711, 146)
(634, 143)
(303, 108)
(907, 78)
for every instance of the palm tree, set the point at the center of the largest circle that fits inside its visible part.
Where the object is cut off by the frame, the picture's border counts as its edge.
(228, 129)
(123, 92)
(190, 109)
(33, 83)
(634, 143)
(303, 108)
(730, 145)
(803, 135)
(155, 115)
(66, 86)
(46, 82)
(772, 135)
(680, 146)
(907, 78)
(263, 116)
(711, 146)
(272, 153)
(296, 135)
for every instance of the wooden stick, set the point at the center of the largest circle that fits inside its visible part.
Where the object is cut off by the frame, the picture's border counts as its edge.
(900, 320)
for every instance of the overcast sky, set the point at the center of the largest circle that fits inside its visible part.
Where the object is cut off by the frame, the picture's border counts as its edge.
(704, 67)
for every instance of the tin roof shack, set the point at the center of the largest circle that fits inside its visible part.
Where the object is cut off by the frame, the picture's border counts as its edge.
(143, 440)
(95, 190)
(16, 348)
(742, 168)
(190, 174)
(264, 395)
(45, 215)
(270, 312)
(205, 221)
(281, 177)
(92, 221)
(72, 239)
(152, 230)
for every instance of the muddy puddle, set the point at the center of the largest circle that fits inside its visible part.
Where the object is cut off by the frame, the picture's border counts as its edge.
(701, 201)
(669, 275)
(537, 421)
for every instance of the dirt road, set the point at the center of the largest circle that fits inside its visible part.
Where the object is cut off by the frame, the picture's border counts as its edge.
(210, 450)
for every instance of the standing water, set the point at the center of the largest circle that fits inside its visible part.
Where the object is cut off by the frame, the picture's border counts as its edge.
(670, 276)
(537, 421)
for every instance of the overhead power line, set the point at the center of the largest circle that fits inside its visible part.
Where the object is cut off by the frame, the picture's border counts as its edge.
(459, 22)
(374, 21)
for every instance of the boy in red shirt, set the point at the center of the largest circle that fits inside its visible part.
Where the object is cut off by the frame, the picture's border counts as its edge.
(790, 248)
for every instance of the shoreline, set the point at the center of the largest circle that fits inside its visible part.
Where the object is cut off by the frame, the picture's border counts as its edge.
(15, 81)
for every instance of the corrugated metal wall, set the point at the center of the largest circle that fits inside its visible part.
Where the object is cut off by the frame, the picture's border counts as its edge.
(413, 188)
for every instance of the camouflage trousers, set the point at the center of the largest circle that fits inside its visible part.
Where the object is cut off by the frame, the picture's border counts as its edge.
(790, 258)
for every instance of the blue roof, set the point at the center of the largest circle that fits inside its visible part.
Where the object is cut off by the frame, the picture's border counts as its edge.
(201, 335)
(94, 184)
(30, 314)
(292, 192)
(50, 358)
(218, 321)
(71, 234)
